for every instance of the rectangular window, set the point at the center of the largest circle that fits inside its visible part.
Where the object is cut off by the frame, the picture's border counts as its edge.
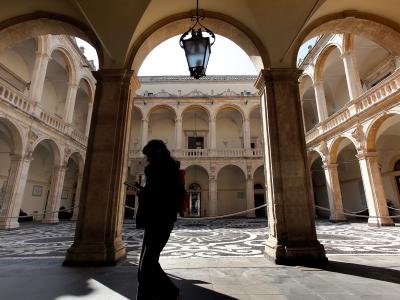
(195, 142)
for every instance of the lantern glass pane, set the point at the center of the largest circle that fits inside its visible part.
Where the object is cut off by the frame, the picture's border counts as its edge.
(195, 49)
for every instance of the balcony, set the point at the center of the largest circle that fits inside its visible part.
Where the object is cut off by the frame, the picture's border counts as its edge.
(19, 100)
(207, 153)
(378, 98)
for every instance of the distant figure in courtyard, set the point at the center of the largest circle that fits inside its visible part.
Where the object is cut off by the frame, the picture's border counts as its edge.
(159, 202)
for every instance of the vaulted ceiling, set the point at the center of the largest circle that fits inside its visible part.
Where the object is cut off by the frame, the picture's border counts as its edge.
(277, 26)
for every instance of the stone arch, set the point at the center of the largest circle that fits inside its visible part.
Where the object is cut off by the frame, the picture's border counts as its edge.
(199, 166)
(302, 80)
(322, 57)
(17, 29)
(313, 155)
(334, 149)
(79, 159)
(70, 63)
(372, 130)
(232, 106)
(90, 83)
(162, 106)
(16, 135)
(55, 147)
(257, 166)
(242, 168)
(382, 31)
(196, 106)
(217, 22)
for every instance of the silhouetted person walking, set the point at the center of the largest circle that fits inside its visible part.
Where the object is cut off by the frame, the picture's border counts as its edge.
(159, 202)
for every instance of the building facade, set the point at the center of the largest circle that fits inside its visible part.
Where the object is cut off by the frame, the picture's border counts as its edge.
(46, 99)
(351, 104)
(213, 127)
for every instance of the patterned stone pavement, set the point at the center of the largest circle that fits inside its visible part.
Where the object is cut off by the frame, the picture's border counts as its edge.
(208, 239)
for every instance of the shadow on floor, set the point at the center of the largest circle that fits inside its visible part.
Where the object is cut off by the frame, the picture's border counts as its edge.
(371, 272)
(49, 281)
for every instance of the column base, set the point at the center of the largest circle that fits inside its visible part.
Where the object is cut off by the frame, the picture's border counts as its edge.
(9, 225)
(95, 254)
(375, 222)
(50, 221)
(337, 218)
(312, 253)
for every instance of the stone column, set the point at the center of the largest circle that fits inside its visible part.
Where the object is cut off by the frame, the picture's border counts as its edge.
(178, 133)
(77, 196)
(246, 134)
(250, 196)
(292, 235)
(334, 192)
(98, 238)
(320, 101)
(54, 199)
(89, 118)
(70, 102)
(352, 75)
(14, 193)
(145, 131)
(213, 133)
(213, 196)
(38, 76)
(374, 191)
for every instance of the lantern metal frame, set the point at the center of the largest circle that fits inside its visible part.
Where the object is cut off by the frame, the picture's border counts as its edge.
(196, 32)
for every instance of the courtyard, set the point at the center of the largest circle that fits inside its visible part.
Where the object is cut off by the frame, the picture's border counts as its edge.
(218, 259)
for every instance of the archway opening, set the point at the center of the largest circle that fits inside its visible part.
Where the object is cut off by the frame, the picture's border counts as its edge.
(319, 187)
(195, 128)
(387, 145)
(231, 184)
(162, 126)
(197, 185)
(41, 177)
(351, 184)
(308, 100)
(259, 192)
(229, 129)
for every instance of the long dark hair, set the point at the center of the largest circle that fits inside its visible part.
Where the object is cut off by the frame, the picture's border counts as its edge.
(157, 151)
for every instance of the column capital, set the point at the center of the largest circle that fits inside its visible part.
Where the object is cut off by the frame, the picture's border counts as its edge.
(178, 120)
(42, 55)
(318, 83)
(346, 54)
(267, 76)
(363, 154)
(114, 75)
(328, 166)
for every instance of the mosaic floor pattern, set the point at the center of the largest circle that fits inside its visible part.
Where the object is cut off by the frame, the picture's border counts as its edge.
(234, 238)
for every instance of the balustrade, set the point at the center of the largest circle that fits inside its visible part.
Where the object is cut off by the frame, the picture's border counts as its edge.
(191, 153)
(16, 98)
(374, 96)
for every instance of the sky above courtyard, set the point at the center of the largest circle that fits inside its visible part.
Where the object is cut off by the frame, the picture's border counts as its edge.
(168, 58)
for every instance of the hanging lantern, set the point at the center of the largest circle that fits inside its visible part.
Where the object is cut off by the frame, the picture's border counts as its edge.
(197, 47)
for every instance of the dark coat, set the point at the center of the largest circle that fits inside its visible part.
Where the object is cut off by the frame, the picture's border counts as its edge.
(162, 194)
